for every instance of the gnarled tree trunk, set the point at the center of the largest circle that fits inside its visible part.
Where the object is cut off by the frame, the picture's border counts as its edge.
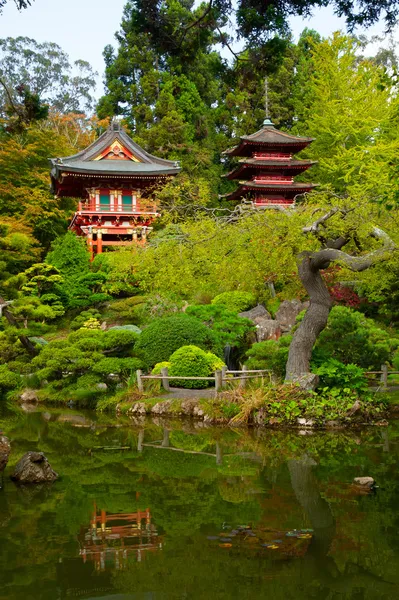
(314, 320)
(309, 266)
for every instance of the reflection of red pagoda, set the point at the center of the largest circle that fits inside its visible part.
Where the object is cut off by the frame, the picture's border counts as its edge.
(267, 172)
(113, 537)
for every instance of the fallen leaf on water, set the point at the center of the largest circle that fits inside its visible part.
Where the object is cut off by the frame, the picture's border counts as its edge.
(225, 545)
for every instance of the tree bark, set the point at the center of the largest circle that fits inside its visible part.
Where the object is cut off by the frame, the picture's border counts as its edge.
(25, 341)
(315, 319)
(313, 322)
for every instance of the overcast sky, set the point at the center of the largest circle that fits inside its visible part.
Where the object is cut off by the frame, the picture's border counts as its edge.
(83, 27)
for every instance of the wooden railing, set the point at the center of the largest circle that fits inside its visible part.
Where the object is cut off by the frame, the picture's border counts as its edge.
(272, 201)
(283, 179)
(271, 156)
(381, 377)
(135, 208)
(220, 377)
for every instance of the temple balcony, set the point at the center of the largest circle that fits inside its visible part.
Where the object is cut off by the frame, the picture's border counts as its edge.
(270, 202)
(274, 179)
(128, 208)
(271, 156)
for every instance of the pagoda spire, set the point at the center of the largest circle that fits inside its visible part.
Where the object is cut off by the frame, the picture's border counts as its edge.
(267, 122)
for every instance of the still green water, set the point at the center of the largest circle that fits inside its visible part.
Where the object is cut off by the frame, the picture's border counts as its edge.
(183, 513)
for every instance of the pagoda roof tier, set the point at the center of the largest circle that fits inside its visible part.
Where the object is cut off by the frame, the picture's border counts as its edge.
(114, 155)
(248, 166)
(289, 190)
(268, 138)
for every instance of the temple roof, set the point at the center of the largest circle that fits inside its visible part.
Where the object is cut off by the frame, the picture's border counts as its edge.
(268, 137)
(248, 165)
(290, 189)
(113, 153)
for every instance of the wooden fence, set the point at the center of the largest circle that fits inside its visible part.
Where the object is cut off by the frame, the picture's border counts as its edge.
(381, 377)
(220, 377)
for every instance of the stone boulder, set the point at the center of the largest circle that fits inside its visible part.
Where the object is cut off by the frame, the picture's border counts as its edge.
(34, 468)
(138, 408)
(366, 482)
(5, 449)
(162, 408)
(258, 311)
(29, 396)
(307, 382)
(288, 312)
(267, 329)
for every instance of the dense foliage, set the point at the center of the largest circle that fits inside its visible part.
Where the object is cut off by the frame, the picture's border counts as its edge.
(164, 336)
(206, 260)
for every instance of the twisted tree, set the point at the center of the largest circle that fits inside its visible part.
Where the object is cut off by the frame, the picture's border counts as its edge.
(310, 263)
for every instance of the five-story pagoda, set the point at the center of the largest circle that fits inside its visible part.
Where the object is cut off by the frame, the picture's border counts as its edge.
(115, 180)
(268, 167)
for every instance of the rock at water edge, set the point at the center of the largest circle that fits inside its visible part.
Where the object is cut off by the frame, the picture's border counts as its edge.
(34, 468)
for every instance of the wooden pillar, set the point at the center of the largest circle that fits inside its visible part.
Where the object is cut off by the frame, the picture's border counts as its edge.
(99, 241)
(165, 439)
(165, 379)
(243, 382)
(218, 381)
(140, 440)
(384, 376)
(139, 381)
(89, 241)
(144, 233)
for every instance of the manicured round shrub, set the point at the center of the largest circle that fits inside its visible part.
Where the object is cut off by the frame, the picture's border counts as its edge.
(189, 361)
(159, 366)
(163, 336)
(215, 363)
(236, 301)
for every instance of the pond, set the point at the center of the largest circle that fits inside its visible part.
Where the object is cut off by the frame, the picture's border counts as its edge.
(164, 510)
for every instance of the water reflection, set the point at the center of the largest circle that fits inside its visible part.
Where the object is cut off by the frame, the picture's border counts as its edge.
(112, 538)
(171, 511)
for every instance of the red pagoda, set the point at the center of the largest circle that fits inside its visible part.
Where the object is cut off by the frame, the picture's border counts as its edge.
(267, 171)
(115, 180)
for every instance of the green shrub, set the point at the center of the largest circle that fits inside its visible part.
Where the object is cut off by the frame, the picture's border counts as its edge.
(350, 337)
(159, 366)
(119, 341)
(116, 366)
(8, 379)
(236, 301)
(227, 326)
(215, 363)
(190, 361)
(334, 374)
(271, 355)
(163, 336)
(129, 310)
(83, 317)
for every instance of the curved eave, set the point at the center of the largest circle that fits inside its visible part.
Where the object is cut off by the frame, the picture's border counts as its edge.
(247, 147)
(70, 171)
(105, 140)
(246, 167)
(292, 189)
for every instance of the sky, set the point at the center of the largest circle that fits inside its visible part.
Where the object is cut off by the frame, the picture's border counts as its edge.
(83, 27)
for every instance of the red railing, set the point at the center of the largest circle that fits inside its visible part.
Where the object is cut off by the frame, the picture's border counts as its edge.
(284, 179)
(135, 208)
(271, 156)
(269, 201)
